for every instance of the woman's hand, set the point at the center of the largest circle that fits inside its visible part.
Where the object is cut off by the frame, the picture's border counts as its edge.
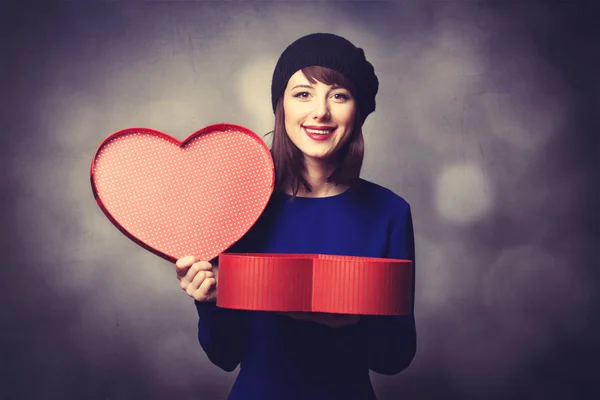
(198, 278)
(331, 320)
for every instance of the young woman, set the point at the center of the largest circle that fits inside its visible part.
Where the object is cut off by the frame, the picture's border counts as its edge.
(323, 89)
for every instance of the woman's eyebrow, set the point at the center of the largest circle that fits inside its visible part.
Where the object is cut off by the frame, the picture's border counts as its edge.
(302, 86)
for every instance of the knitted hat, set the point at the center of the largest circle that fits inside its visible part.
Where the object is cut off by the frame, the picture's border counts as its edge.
(330, 51)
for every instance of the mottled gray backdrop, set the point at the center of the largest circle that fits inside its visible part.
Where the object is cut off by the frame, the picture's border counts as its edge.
(486, 123)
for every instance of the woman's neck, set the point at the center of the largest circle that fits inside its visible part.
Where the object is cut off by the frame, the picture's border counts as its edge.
(316, 175)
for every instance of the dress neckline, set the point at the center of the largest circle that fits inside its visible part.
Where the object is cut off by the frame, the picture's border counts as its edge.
(326, 198)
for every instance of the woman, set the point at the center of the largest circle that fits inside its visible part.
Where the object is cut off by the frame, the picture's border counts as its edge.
(323, 89)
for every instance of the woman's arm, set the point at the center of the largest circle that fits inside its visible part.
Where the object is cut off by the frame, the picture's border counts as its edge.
(222, 334)
(392, 343)
(392, 340)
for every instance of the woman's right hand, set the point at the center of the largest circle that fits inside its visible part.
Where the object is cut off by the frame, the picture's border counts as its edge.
(197, 278)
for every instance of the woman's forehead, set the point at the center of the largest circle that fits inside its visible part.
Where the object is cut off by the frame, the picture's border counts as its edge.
(298, 78)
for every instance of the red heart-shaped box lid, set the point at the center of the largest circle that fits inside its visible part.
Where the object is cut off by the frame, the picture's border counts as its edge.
(195, 197)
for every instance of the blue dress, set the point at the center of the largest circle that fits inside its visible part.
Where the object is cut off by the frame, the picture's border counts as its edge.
(284, 358)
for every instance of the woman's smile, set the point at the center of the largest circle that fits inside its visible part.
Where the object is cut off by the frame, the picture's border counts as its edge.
(319, 133)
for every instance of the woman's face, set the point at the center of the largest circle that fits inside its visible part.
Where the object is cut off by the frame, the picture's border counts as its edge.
(318, 117)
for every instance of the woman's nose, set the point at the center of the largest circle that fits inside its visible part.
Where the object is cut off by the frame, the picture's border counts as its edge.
(321, 109)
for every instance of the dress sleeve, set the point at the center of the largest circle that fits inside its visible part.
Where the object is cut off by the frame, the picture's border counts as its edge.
(221, 331)
(222, 334)
(392, 340)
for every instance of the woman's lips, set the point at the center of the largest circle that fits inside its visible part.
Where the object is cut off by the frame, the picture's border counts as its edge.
(318, 133)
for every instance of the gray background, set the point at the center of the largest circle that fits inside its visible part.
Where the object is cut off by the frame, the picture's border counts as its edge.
(486, 123)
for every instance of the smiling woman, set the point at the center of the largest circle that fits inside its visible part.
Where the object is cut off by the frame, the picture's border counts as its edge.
(323, 89)
(317, 121)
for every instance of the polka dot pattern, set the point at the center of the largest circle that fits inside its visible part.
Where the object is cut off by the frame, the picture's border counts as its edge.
(192, 198)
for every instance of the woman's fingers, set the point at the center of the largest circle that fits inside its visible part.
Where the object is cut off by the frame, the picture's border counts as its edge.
(199, 278)
(197, 267)
(183, 265)
(193, 271)
(202, 266)
(206, 290)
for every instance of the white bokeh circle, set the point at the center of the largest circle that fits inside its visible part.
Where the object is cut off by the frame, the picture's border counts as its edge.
(462, 193)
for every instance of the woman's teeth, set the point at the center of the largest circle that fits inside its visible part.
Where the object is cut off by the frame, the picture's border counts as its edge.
(319, 132)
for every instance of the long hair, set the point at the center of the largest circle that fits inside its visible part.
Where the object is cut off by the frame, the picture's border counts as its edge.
(289, 160)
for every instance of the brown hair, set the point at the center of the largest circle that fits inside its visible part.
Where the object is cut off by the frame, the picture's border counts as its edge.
(289, 160)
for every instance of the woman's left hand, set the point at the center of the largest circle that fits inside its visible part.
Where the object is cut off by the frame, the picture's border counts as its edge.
(331, 320)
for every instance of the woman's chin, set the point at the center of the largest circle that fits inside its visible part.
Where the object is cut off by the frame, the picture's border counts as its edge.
(319, 157)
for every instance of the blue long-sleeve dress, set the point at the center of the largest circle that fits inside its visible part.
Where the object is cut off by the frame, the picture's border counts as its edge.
(284, 358)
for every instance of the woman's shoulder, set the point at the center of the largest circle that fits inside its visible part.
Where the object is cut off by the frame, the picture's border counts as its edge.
(380, 195)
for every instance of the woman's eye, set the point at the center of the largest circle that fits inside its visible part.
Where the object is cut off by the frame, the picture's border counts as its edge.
(301, 95)
(341, 96)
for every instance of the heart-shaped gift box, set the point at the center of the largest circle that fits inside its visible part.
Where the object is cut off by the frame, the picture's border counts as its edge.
(178, 198)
